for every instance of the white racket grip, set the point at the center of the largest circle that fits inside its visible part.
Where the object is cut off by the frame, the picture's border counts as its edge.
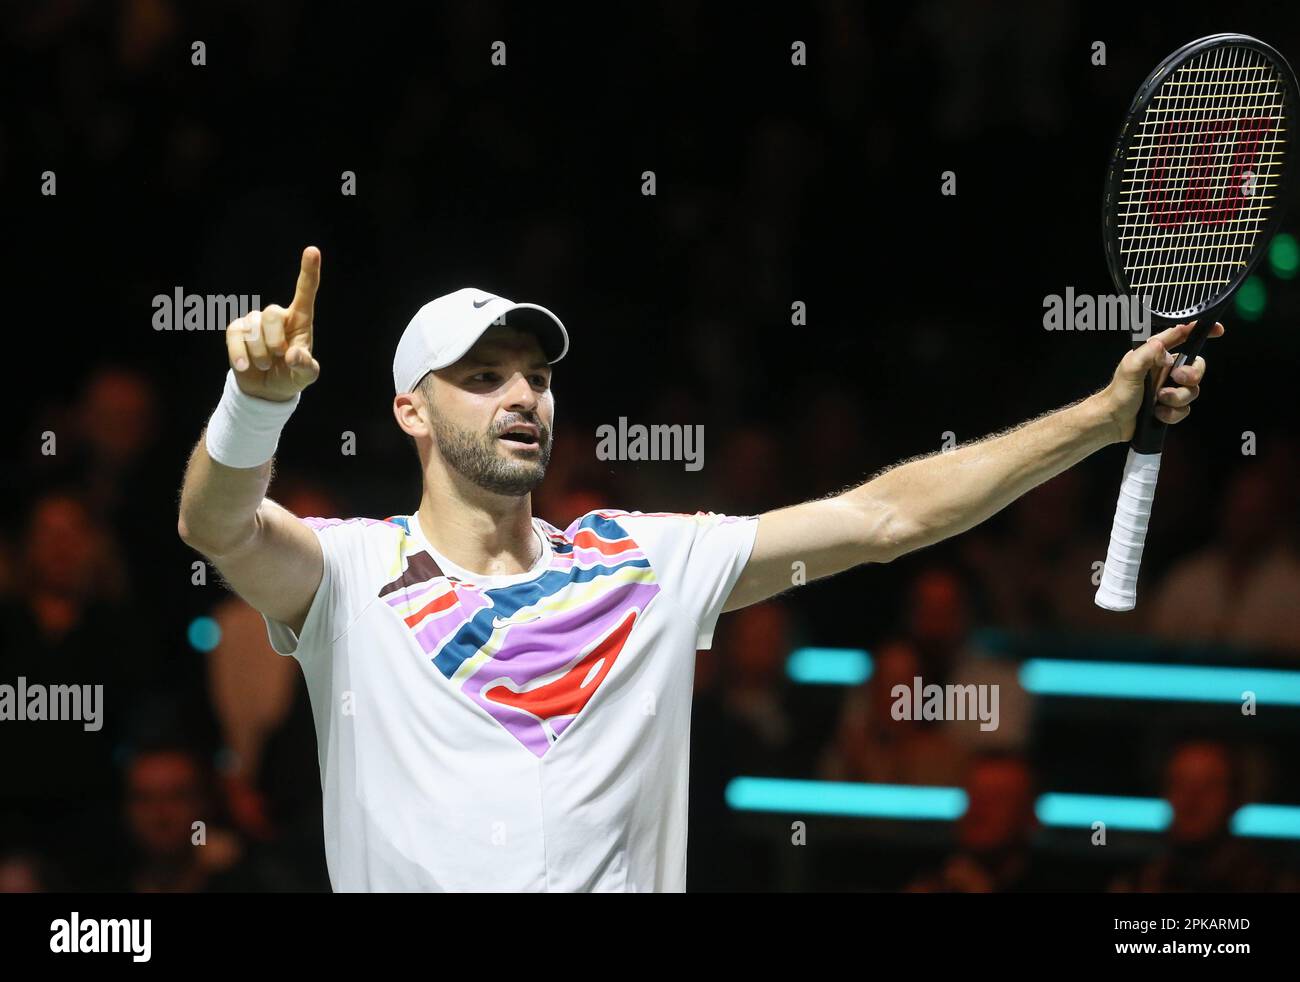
(1128, 533)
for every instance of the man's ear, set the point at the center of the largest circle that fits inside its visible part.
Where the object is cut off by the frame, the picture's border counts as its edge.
(406, 410)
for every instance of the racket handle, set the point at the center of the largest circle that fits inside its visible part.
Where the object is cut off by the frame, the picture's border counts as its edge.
(1118, 590)
(1149, 435)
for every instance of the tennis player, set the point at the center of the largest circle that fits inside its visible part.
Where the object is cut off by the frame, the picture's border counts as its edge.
(501, 704)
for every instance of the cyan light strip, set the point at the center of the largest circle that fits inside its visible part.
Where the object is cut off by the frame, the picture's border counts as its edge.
(767, 794)
(1101, 680)
(1267, 821)
(1081, 810)
(829, 666)
(1189, 683)
(909, 802)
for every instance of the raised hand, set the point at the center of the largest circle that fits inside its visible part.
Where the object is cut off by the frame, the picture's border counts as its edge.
(1155, 358)
(270, 350)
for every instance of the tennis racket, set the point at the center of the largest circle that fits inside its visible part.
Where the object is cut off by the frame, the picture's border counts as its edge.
(1192, 197)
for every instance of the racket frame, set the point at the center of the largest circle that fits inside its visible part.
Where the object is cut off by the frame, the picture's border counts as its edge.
(1133, 119)
(1150, 432)
(1118, 589)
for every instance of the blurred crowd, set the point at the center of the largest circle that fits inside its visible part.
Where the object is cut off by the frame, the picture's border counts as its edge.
(204, 775)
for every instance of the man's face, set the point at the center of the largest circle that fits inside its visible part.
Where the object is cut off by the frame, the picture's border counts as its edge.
(938, 608)
(491, 412)
(999, 807)
(1198, 786)
(61, 546)
(164, 797)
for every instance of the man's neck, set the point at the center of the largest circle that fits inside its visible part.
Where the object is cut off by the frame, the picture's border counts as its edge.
(485, 533)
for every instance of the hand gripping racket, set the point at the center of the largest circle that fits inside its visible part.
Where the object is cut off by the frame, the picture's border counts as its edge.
(1192, 197)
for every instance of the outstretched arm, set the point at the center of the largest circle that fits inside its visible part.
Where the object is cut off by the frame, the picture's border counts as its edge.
(926, 500)
(269, 556)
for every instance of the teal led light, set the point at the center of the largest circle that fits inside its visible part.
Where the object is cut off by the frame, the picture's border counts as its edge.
(1251, 299)
(899, 801)
(1284, 256)
(1081, 810)
(1267, 821)
(1054, 809)
(204, 634)
(1186, 683)
(829, 666)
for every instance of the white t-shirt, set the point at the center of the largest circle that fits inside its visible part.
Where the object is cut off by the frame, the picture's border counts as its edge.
(510, 733)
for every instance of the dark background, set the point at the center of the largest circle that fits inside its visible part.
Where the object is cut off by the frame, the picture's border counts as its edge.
(775, 184)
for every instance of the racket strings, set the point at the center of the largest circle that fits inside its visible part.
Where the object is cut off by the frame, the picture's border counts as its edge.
(1200, 178)
(1162, 142)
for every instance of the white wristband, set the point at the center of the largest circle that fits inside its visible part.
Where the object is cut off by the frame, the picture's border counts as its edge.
(244, 430)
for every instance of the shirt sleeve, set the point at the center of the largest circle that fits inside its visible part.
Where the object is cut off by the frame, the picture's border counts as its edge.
(697, 559)
(334, 606)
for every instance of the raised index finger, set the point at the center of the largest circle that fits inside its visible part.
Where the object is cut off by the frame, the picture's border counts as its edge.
(304, 294)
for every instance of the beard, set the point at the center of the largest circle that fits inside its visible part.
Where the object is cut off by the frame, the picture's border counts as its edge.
(477, 457)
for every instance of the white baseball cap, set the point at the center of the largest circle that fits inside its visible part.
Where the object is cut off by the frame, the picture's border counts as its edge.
(444, 329)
